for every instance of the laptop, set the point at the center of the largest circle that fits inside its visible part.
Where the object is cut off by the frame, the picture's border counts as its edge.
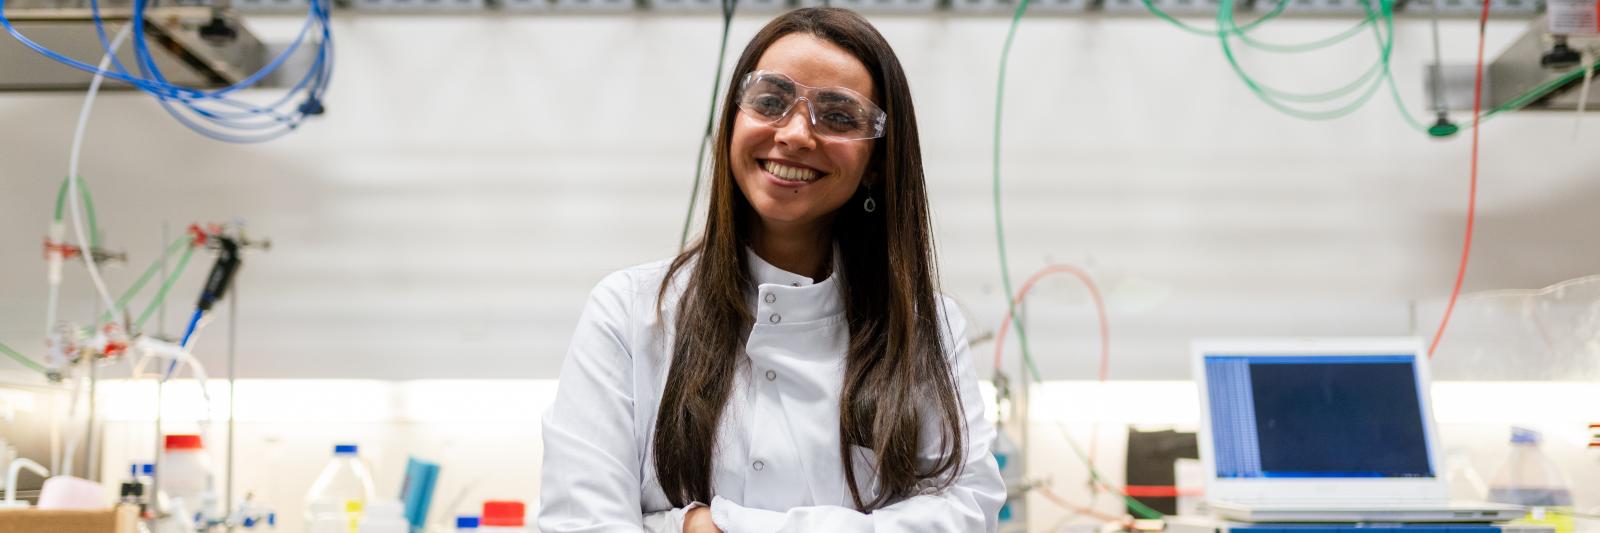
(1329, 430)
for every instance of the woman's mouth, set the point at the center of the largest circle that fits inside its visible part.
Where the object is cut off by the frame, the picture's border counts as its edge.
(790, 173)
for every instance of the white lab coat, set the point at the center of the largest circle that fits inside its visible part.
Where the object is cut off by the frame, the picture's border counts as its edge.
(777, 463)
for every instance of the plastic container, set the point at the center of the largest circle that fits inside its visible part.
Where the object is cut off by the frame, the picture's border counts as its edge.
(340, 493)
(1013, 515)
(1531, 479)
(466, 524)
(385, 516)
(503, 516)
(186, 477)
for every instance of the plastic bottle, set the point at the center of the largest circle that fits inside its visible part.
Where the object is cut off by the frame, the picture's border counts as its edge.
(1013, 515)
(1531, 479)
(466, 524)
(385, 516)
(502, 516)
(187, 479)
(340, 493)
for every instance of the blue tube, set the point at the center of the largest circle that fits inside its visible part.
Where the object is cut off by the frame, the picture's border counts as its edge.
(188, 333)
(199, 109)
(194, 321)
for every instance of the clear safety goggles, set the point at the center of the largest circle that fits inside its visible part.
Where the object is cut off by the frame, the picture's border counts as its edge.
(835, 112)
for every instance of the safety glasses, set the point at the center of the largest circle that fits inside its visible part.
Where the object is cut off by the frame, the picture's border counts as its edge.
(834, 112)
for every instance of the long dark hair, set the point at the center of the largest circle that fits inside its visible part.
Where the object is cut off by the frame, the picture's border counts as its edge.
(896, 375)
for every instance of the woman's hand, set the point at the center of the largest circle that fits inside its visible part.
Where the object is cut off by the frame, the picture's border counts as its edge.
(698, 520)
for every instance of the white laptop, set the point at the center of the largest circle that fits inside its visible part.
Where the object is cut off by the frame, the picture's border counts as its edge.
(1331, 430)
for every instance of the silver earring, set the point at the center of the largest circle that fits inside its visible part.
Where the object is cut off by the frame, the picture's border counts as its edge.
(870, 205)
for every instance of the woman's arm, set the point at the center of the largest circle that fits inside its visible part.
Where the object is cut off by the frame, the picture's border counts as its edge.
(590, 480)
(972, 503)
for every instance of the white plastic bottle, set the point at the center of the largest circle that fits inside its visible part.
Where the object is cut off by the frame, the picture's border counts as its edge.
(187, 479)
(1531, 479)
(1013, 515)
(340, 494)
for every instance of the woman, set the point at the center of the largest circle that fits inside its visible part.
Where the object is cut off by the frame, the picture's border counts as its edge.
(795, 369)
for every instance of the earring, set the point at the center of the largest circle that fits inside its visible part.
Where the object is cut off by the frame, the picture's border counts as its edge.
(869, 205)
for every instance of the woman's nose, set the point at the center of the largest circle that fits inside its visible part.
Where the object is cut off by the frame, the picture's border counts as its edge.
(795, 131)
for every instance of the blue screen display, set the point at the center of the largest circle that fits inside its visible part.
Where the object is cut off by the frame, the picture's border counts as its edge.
(1316, 416)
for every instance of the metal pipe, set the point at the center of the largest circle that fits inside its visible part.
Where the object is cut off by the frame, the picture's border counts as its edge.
(233, 322)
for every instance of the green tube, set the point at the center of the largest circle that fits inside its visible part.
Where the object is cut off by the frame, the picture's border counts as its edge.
(1542, 90)
(88, 207)
(1265, 94)
(999, 224)
(24, 361)
(1388, 76)
(161, 294)
(1319, 44)
(149, 272)
(1163, 15)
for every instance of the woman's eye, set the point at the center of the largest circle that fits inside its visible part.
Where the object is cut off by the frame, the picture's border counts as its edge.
(768, 104)
(840, 122)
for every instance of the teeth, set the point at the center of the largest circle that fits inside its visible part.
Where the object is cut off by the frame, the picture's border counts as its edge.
(789, 173)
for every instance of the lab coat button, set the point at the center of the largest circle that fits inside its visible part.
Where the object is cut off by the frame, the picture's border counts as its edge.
(758, 465)
(771, 298)
(774, 318)
(772, 375)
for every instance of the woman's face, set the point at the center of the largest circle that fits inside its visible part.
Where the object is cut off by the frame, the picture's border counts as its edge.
(791, 177)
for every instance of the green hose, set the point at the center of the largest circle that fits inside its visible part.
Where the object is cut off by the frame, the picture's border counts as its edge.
(161, 294)
(24, 361)
(149, 273)
(1139, 509)
(88, 207)
(999, 224)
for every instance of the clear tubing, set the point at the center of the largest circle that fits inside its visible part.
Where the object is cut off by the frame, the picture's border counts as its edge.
(1583, 94)
(72, 436)
(73, 200)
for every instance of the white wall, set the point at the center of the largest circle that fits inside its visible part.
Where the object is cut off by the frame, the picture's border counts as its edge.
(476, 175)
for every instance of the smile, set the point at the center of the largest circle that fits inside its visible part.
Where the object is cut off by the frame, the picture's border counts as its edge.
(790, 173)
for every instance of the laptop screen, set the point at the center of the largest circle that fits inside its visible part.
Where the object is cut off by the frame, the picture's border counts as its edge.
(1321, 416)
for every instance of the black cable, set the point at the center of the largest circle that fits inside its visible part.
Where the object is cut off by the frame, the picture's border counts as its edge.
(711, 119)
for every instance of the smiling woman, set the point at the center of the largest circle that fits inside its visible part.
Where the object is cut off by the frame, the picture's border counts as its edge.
(795, 368)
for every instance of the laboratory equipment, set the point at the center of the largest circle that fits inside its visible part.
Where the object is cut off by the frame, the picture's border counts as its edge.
(187, 480)
(1334, 430)
(15, 467)
(384, 516)
(503, 516)
(71, 493)
(1198, 524)
(340, 492)
(1013, 514)
(466, 524)
(1531, 479)
(417, 490)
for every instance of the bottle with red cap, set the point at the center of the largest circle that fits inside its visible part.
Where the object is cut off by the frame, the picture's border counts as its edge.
(187, 479)
(502, 516)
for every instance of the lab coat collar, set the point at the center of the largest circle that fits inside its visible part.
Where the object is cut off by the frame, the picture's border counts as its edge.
(785, 298)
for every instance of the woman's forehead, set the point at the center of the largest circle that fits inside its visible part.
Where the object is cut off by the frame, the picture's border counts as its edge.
(812, 61)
